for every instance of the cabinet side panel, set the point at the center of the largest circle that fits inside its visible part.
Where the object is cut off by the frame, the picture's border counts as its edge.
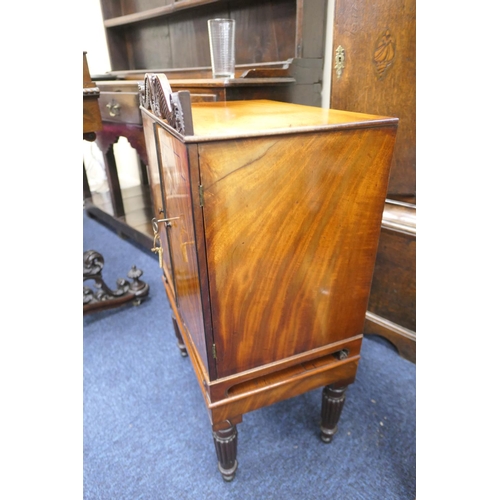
(179, 211)
(292, 227)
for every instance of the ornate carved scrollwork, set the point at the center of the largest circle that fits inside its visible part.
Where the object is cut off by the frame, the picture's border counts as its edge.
(156, 94)
(103, 297)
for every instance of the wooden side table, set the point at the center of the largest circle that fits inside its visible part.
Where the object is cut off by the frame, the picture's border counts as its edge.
(102, 297)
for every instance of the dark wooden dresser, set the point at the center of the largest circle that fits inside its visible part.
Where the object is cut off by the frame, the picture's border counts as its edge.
(267, 218)
(279, 56)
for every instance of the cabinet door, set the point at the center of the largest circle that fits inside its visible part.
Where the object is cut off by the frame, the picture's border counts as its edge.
(176, 191)
(159, 210)
(379, 73)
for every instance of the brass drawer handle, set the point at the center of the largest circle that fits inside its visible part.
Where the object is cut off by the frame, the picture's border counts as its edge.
(113, 108)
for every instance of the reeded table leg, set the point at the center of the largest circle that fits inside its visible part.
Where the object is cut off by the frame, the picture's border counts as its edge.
(180, 341)
(331, 408)
(226, 441)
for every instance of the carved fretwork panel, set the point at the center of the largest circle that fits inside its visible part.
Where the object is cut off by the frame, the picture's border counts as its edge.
(156, 95)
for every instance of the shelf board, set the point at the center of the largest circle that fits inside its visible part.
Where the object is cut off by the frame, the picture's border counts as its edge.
(145, 15)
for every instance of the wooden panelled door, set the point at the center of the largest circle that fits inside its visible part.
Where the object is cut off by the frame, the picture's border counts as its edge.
(374, 71)
(176, 189)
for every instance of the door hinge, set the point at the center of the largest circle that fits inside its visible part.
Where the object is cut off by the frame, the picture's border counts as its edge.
(214, 351)
(202, 195)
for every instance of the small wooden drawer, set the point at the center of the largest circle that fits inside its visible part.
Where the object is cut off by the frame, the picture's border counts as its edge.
(120, 107)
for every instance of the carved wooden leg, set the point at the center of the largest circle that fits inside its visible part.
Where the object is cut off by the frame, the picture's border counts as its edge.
(225, 441)
(180, 341)
(331, 408)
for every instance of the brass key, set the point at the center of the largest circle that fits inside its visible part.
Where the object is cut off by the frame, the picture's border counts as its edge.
(158, 249)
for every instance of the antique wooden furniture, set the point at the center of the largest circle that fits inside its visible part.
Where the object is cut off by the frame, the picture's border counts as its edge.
(279, 56)
(129, 210)
(374, 71)
(392, 305)
(92, 122)
(273, 38)
(103, 297)
(266, 220)
(93, 262)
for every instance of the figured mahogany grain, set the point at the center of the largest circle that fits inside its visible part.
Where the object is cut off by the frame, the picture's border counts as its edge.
(181, 236)
(158, 206)
(291, 238)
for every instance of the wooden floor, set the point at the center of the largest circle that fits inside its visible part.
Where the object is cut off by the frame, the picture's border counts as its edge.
(134, 223)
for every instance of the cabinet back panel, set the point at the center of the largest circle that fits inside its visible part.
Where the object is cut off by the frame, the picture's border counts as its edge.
(291, 249)
(265, 31)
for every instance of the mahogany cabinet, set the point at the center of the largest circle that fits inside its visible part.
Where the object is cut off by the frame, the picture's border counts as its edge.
(100, 296)
(267, 218)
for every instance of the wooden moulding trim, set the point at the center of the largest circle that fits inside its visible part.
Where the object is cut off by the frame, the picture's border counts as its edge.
(297, 372)
(388, 224)
(403, 339)
(292, 130)
(381, 324)
(221, 388)
(177, 84)
(156, 12)
(400, 217)
(245, 68)
(342, 373)
(91, 92)
(381, 123)
(199, 368)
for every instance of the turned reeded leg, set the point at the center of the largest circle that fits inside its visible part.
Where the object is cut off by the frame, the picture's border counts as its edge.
(180, 341)
(226, 441)
(331, 408)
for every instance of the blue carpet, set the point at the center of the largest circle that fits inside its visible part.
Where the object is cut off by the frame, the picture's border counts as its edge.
(147, 433)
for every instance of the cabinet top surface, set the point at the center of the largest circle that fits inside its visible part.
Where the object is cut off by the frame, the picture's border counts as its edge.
(232, 119)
